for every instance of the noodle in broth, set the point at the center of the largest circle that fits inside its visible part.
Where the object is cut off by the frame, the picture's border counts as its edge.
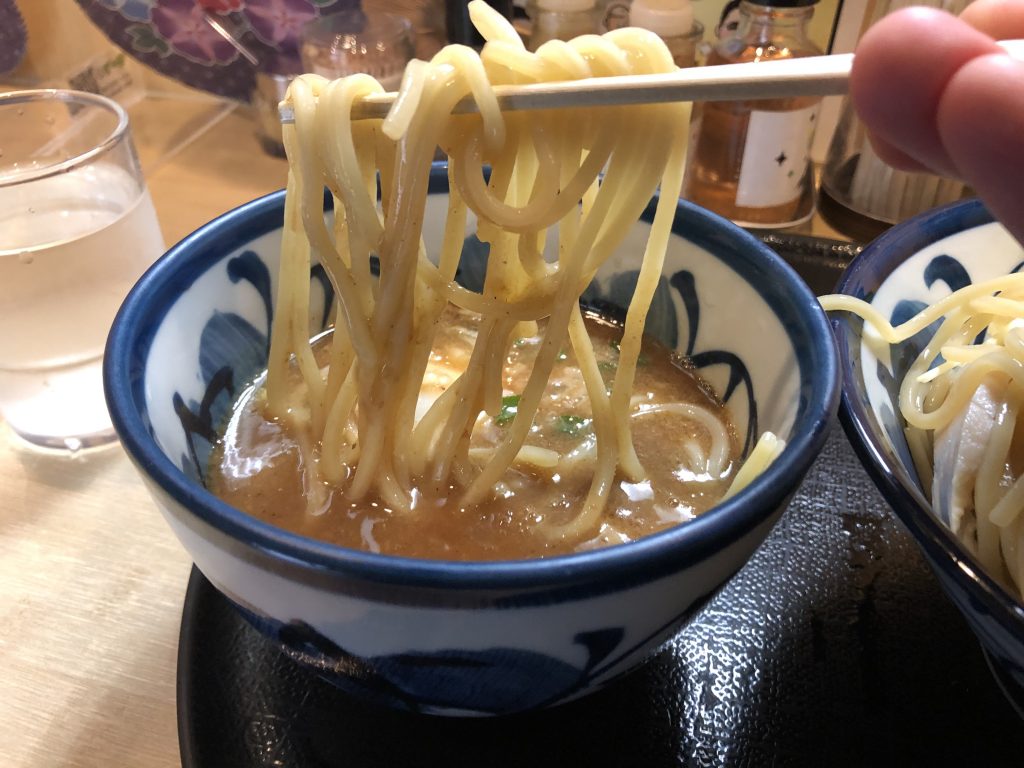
(580, 178)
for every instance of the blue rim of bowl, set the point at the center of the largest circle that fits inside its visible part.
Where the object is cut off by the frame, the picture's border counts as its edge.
(135, 324)
(870, 268)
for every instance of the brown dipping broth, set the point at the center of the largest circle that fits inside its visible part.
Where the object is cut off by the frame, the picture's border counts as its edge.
(258, 467)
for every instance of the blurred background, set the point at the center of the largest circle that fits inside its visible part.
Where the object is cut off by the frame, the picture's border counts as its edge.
(212, 71)
(180, 66)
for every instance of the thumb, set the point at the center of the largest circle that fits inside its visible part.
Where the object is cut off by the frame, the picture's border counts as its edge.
(900, 72)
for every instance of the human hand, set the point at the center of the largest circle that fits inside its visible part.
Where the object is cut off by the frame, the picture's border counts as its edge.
(936, 93)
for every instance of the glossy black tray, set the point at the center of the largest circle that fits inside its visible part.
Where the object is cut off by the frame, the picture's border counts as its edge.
(833, 646)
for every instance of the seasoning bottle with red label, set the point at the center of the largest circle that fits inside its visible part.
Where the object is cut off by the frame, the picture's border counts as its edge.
(749, 160)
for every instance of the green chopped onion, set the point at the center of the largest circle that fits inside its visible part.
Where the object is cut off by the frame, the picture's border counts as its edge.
(572, 425)
(509, 407)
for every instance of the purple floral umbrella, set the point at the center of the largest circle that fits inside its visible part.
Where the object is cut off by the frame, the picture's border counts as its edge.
(12, 36)
(214, 45)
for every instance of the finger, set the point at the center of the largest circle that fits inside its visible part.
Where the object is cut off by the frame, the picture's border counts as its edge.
(900, 71)
(1001, 19)
(980, 121)
(892, 156)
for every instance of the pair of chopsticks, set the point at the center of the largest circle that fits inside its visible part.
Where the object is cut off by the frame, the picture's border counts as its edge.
(782, 78)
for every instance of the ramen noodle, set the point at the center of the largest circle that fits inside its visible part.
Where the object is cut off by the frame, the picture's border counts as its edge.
(961, 400)
(353, 404)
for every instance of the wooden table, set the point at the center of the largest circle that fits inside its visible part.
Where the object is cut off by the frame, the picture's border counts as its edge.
(93, 579)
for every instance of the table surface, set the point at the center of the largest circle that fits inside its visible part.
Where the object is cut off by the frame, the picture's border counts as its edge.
(93, 579)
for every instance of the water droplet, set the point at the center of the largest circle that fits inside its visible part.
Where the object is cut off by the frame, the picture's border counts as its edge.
(74, 446)
(31, 209)
(26, 258)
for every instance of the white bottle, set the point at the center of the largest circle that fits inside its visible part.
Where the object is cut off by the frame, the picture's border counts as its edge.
(673, 22)
(561, 20)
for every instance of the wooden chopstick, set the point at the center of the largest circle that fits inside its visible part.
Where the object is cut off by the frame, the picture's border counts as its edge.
(781, 78)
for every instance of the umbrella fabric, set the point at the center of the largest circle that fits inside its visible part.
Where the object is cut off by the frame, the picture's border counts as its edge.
(12, 36)
(177, 38)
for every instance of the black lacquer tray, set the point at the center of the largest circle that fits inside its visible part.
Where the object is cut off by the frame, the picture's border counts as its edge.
(834, 646)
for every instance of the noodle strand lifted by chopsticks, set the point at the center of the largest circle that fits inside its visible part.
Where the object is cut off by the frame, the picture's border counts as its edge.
(545, 182)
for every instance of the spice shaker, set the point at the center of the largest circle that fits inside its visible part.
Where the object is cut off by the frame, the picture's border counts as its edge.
(341, 44)
(561, 20)
(673, 22)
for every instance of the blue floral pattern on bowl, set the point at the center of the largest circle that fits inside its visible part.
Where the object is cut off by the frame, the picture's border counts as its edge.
(465, 638)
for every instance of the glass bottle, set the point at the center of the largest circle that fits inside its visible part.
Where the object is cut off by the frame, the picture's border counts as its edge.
(860, 195)
(750, 160)
(673, 22)
(561, 20)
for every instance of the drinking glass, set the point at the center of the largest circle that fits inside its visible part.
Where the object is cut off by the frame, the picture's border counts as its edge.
(77, 229)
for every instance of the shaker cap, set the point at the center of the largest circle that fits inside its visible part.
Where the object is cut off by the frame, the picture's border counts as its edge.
(783, 3)
(566, 6)
(666, 18)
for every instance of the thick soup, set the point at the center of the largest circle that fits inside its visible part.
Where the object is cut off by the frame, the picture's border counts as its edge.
(262, 468)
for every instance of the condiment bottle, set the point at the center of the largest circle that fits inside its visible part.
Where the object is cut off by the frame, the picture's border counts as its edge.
(561, 20)
(673, 22)
(749, 160)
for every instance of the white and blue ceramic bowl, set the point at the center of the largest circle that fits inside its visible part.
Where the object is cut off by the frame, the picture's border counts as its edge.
(912, 265)
(465, 638)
